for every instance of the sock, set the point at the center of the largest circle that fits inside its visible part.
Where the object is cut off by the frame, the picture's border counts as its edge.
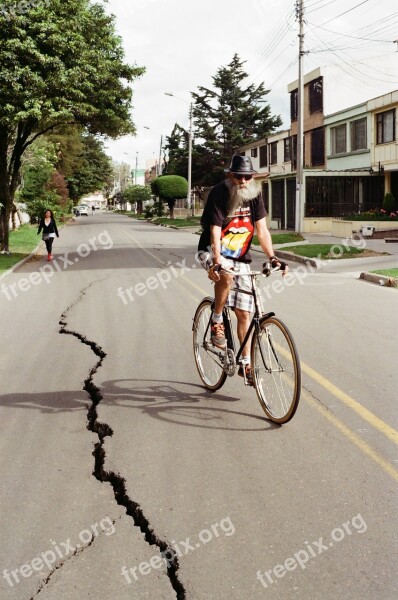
(245, 360)
(217, 318)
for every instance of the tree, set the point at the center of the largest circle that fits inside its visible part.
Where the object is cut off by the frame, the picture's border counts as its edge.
(137, 194)
(38, 174)
(92, 169)
(61, 63)
(170, 188)
(225, 118)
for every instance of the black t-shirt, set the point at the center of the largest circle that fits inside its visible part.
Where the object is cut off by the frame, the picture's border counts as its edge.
(236, 231)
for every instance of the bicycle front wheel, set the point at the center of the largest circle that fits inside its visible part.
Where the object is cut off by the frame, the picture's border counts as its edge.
(209, 359)
(276, 370)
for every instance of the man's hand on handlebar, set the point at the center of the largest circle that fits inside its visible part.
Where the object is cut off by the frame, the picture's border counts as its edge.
(275, 264)
(214, 272)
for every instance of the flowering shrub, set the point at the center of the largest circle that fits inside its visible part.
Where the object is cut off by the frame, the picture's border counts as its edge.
(374, 214)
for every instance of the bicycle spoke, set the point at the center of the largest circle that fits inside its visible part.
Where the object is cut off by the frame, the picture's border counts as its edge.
(276, 370)
(209, 360)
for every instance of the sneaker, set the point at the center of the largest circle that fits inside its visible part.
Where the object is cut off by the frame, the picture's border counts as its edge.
(48, 256)
(247, 373)
(218, 335)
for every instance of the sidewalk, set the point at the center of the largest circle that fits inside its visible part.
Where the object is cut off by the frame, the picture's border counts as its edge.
(357, 267)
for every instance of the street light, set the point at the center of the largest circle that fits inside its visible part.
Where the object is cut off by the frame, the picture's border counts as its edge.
(136, 167)
(158, 166)
(189, 204)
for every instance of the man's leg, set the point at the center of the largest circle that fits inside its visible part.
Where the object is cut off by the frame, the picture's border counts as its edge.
(244, 318)
(221, 291)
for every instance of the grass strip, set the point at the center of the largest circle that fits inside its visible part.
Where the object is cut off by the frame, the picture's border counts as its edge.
(188, 222)
(326, 251)
(22, 243)
(387, 272)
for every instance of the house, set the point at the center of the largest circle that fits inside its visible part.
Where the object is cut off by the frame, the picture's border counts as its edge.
(350, 158)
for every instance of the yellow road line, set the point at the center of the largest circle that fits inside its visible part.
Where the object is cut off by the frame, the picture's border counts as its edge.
(353, 437)
(145, 249)
(367, 415)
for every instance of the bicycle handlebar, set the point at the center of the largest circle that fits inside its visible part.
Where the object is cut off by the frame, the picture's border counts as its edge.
(266, 270)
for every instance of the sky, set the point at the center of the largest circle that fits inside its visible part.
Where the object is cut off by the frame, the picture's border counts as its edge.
(182, 44)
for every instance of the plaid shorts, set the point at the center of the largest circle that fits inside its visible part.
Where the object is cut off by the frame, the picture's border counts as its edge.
(236, 299)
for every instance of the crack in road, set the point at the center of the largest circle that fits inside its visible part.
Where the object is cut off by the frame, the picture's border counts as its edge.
(76, 552)
(118, 483)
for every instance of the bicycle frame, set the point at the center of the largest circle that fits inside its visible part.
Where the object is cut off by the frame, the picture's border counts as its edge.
(254, 323)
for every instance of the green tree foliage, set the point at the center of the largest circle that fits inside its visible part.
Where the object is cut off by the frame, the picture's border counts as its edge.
(137, 194)
(92, 169)
(170, 188)
(225, 118)
(38, 188)
(61, 62)
(389, 202)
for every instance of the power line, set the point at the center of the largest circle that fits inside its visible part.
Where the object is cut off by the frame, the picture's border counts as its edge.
(344, 13)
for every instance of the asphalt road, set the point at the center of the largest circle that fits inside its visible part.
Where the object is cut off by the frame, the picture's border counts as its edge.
(114, 459)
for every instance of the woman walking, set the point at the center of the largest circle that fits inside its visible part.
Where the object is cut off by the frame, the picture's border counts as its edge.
(49, 227)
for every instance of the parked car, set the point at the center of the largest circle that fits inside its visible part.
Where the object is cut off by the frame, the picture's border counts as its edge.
(83, 210)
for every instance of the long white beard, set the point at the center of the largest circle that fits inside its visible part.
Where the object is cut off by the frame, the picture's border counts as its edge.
(240, 196)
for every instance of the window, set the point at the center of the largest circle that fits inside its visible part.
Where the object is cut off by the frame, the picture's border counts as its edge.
(253, 152)
(339, 142)
(293, 105)
(385, 126)
(265, 195)
(273, 153)
(294, 152)
(243, 153)
(317, 147)
(263, 156)
(287, 149)
(358, 134)
(316, 95)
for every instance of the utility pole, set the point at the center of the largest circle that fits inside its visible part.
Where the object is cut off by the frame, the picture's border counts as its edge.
(136, 167)
(300, 121)
(189, 194)
(160, 155)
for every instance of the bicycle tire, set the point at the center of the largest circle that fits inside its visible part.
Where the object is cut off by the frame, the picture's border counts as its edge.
(208, 359)
(276, 370)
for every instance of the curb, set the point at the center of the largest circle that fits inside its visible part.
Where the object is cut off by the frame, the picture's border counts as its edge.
(380, 279)
(20, 263)
(304, 260)
(24, 260)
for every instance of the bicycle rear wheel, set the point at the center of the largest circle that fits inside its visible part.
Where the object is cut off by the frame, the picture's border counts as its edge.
(209, 359)
(276, 370)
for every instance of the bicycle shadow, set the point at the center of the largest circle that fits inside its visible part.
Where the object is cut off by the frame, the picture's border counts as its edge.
(181, 403)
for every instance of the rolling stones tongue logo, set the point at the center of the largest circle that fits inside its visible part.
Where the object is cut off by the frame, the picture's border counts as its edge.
(236, 237)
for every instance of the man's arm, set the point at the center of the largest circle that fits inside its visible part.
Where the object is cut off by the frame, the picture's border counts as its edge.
(264, 237)
(215, 244)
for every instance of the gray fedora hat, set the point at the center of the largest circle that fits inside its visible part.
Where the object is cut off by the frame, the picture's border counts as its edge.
(241, 164)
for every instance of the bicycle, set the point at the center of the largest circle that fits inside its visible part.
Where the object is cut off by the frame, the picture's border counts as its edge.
(274, 357)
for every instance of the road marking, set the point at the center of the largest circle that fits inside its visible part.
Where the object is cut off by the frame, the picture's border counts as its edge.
(145, 249)
(367, 415)
(353, 437)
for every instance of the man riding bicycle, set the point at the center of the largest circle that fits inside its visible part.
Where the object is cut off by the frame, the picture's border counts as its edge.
(233, 211)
